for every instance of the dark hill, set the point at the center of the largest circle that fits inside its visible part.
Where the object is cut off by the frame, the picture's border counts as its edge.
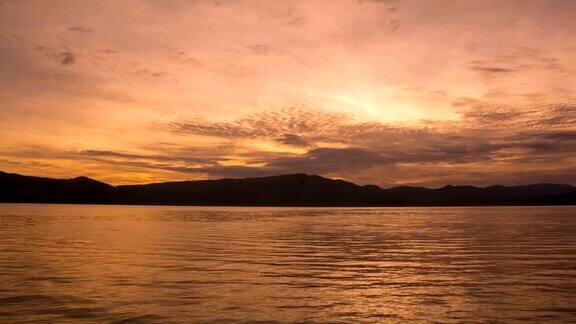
(81, 190)
(567, 198)
(469, 195)
(283, 190)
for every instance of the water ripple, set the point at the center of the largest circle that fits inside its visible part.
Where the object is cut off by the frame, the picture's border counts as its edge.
(123, 264)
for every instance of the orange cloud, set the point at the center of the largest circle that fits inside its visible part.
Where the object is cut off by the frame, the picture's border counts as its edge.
(371, 91)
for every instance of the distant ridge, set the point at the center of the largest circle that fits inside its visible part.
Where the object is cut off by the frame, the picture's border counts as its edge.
(281, 190)
(567, 198)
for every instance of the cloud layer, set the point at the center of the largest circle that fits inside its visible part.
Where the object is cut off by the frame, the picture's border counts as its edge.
(387, 92)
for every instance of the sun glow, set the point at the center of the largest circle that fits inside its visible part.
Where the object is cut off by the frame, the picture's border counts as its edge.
(389, 106)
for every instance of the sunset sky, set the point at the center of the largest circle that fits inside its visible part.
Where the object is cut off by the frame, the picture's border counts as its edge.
(386, 92)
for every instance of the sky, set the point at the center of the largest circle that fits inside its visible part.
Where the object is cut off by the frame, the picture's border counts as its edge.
(386, 92)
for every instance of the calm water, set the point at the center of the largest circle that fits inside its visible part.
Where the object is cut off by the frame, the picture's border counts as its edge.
(191, 264)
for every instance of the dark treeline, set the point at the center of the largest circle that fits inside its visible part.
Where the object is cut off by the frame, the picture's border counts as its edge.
(282, 190)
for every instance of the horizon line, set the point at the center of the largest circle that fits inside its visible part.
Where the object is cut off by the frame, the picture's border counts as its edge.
(294, 174)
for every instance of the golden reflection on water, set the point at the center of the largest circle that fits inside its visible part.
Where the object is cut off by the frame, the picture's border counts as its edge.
(202, 264)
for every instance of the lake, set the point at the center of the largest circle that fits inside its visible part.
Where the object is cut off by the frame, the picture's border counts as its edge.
(88, 263)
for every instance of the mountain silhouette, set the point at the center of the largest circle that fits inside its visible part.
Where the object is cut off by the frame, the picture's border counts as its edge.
(81, 190)
(470, 195)
(567, 198)
(282, 190)
(285, 190)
